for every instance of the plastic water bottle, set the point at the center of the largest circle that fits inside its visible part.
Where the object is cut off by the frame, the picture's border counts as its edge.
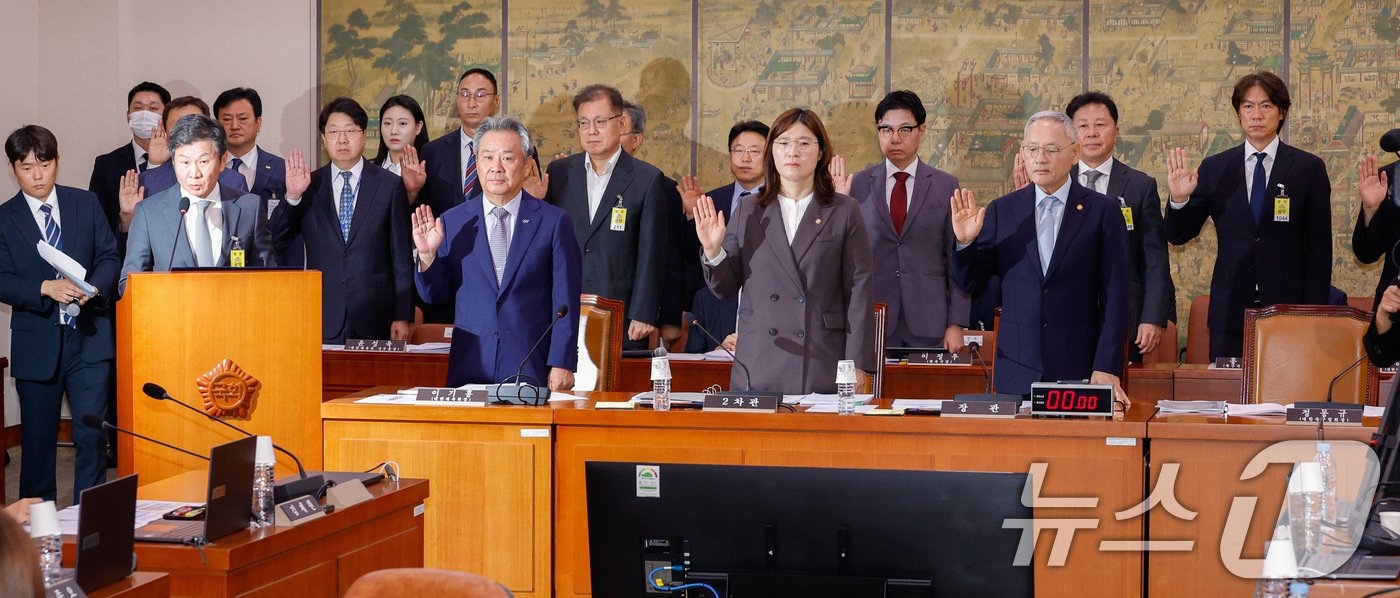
(661, 383)
(1305, 506)
(1271, 588)
(1280, 565)
(845, 387)
(263, 480)
(1298, 589)
(1329, 484)
(47, 537)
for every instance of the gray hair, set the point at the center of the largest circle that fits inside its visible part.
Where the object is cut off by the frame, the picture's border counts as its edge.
(1057, 116)
(194, 128)
(504, 123)
(637, 115)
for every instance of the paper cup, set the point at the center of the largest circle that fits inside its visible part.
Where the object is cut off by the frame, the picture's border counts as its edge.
(43, 520)
(264, 455)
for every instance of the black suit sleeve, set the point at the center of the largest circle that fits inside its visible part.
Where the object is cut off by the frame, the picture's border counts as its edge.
(1158, 301)
(285, 224)
(1371, 242)
(106, 264)
(682, 260)
(1317, 237)
(401, 251)
(645, 303)
(1383, 349)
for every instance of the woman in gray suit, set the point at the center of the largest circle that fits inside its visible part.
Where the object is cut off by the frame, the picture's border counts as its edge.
(800, 253)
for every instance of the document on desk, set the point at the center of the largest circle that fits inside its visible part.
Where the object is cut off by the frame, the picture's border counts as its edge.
(718, 354)
(430, 348)
(822, 399)
(147, 511)
(831, 408)
(930, 404)
(1231, 409)
(1203, 407)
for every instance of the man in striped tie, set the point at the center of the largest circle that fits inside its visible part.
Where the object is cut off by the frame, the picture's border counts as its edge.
(61, 339)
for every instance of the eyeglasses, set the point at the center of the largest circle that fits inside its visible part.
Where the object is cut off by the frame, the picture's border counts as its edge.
(346, 134)
(480, 94)
(886, 131)
(1033, 151)
(599, 123)
(800, 146)
(752, 153)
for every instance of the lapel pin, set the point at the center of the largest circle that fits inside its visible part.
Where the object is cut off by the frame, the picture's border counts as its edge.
(819, 221)
(526, 221)
(1079, 206)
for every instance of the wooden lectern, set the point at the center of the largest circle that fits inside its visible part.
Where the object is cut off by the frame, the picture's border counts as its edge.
(207, 337)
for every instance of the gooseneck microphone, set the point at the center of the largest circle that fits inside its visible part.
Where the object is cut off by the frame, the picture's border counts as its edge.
(184, 207)
(559, 313)
(695, 323)
(97, 422)
(155, 391)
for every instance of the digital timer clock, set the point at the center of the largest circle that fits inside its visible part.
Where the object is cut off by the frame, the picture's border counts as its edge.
(1079, 400)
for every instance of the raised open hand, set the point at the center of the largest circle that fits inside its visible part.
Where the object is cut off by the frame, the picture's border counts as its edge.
(298, 176)
(1181, 178)
(967, 217)
(709, 226)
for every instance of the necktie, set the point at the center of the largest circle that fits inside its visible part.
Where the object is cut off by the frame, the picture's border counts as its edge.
(1045, 230)
(469, 181)
(1257, 188)
(743, 194)
(899, 201)
(500, 243)
(236, 165)
(1091, 179)
(141, 166)
(54, 237)
(203, 245)
(347, 206)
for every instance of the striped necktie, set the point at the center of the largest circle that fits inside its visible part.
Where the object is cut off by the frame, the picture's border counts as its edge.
(469, 181)
(54, 237)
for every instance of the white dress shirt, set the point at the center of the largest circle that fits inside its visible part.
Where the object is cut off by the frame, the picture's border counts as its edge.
(598, 183)
(397, 168)
(35, 204)
(214, 214)
(249, 169)
(1102, 184)
(140, 153)
(792, 211)
(890, 169)
(338, 182)
(513, 207)
(1271, 152)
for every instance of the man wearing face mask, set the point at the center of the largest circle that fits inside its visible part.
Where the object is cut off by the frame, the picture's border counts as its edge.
(162, 238)
(145, 104)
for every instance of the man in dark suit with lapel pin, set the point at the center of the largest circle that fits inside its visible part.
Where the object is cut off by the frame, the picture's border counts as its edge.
(354, 218)
(904, 203)
(145, 104)
(218, 221)
(1271, 205)
(1151, 294)
(1377, 229)
(747, 140)
(618, 208)
(61, 339)
(1060, 251)
(239, 112)
(511, 260)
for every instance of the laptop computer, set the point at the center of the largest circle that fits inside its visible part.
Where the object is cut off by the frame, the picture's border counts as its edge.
(228, 502)
(1368, 566)
(105, 548)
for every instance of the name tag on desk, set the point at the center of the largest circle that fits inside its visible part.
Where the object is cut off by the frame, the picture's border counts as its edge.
(375, 345)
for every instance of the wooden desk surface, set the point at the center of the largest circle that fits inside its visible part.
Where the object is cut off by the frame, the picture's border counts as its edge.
(141, 584)
(1083, 461)
(310, 559)
(1210, 453)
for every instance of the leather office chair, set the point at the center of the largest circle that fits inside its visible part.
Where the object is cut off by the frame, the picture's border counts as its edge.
(1361, 303)
(406, 583)
(877, 381)
(599, 343)
(428, 333)
(1198, 331)
(1292, 352)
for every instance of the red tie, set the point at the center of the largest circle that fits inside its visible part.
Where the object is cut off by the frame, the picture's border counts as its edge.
(899, 202)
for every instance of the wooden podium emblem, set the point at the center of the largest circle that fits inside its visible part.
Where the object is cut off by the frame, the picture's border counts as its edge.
(228, 390)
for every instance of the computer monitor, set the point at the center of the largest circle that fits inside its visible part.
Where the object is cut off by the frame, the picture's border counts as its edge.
(812, 532)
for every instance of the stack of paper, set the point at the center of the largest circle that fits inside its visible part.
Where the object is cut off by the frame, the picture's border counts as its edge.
(831, 408)
(1258, 409)
(822, 399)
(929, 404)
(430, 348)
(1172, 407)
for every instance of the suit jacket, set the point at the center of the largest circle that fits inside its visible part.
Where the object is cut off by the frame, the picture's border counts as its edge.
(629, 264)
(35, 332)
(443, 189)
(806, 305)
(912, 268)
(107, 172)
(157, 224)
(270, 185)
(1289, 262)
(1151, 293)
(683, 274)
(496, 325)
(724, 200)
(367, 282)
(1069, 321)
(1377, 240)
